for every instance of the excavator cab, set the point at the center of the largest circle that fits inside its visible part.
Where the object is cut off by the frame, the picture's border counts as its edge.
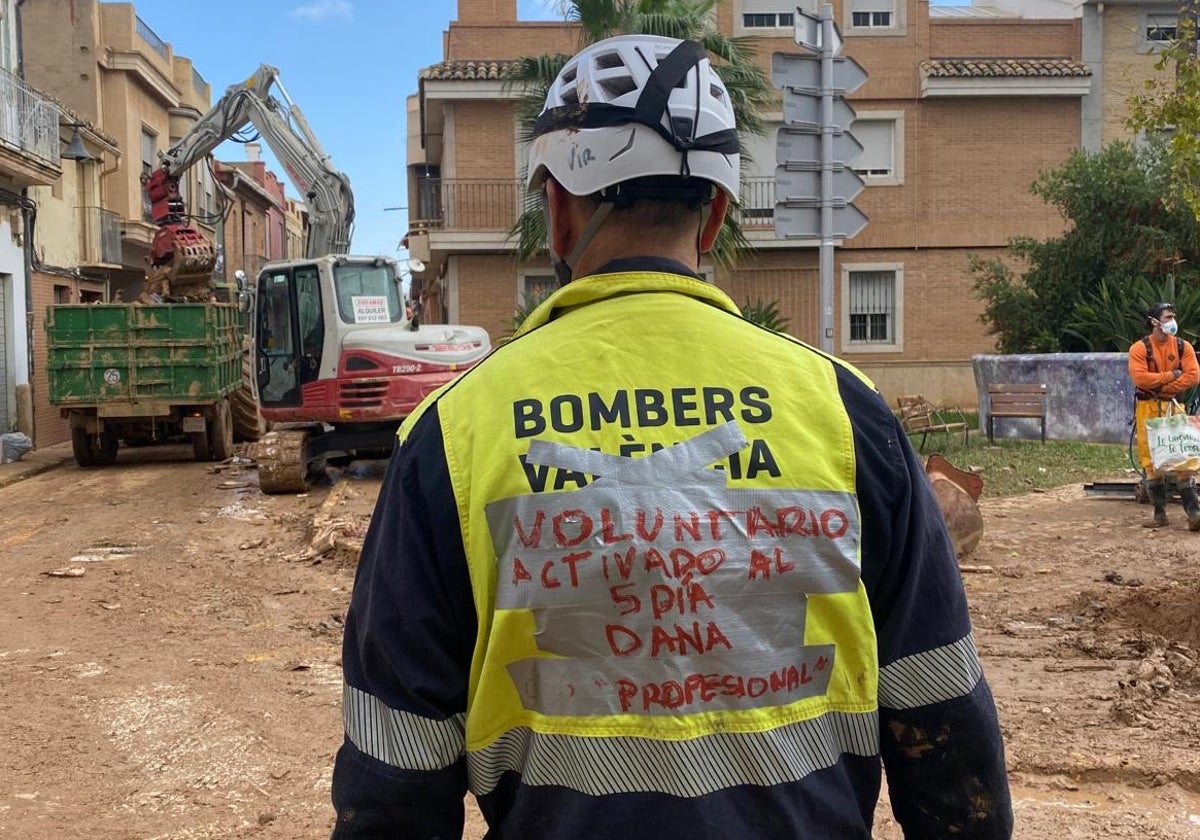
(289, 332)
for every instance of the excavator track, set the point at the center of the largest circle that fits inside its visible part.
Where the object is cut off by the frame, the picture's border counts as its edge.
(282, 457)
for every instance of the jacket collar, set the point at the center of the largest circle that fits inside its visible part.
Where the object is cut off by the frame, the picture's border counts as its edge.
(623, 277)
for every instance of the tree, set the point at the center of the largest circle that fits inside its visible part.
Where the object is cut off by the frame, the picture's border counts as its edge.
(1126, 246)
(1169, 107)
(749, 89)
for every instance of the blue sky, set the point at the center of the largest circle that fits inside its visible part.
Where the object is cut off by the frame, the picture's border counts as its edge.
(348, 64)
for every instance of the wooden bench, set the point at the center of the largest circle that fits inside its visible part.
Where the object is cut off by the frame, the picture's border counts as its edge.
(1016, 401)
(919, 416)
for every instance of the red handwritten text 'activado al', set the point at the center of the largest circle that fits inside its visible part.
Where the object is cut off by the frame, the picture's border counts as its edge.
(659, 567)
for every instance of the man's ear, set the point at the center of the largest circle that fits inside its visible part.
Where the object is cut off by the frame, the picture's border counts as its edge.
(712, 224)
(558, 203)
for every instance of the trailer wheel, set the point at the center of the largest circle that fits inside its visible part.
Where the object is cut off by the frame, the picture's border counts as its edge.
(200, 447)
(248, 421)
(220, 433)
(94, 450)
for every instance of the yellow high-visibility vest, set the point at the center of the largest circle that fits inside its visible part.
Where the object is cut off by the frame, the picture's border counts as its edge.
(657, 500)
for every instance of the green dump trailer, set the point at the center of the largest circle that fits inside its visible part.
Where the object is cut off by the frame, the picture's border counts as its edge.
(142, 373)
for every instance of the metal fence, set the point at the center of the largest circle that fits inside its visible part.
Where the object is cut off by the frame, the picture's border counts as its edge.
(100, 236)
(28, 120)
(151, 37)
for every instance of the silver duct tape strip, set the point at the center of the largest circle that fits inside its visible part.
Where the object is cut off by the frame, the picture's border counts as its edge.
(666, 625)
(689, 456)
(557, 549)
(673, 686)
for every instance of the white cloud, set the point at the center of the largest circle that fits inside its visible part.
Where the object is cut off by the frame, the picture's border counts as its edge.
(319, 10)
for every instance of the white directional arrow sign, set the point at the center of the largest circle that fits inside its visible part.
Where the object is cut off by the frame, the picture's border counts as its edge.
(801, 109)
(804, 185)
(798, 148)
(803, 73)
(805, 222)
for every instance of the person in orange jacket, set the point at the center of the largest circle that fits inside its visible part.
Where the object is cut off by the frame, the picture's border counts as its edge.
(1162, 366)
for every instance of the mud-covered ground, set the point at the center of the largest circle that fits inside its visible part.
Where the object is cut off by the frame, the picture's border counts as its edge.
(169, 655)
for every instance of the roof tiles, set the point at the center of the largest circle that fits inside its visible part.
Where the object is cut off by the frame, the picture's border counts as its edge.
(1003, 67)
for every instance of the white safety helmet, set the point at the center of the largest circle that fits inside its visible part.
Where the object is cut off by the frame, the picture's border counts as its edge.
(637, 106)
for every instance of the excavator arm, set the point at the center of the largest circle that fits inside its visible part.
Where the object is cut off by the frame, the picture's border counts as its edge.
(179, 251)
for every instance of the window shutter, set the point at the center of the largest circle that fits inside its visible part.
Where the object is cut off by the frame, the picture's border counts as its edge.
(877, 139)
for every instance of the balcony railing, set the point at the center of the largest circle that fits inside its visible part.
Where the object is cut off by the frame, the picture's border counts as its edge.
(461, 204)
(455, 204)
(150, 37)
(100, 237)
(28, 120)
(758, 203)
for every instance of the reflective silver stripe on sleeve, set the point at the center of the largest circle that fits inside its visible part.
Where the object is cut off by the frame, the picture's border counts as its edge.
(401, 739)
(695, 767)
(932, 676)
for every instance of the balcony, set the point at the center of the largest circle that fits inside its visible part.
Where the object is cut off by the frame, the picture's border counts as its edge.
(151, 38)
(99, 237)
(757, 209)
(467, 205)
(28, 127)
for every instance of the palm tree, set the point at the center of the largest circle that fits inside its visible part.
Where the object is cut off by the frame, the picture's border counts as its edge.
(749, 90)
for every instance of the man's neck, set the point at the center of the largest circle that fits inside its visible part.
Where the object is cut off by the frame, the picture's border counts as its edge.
(1159, 336)
(602, 252)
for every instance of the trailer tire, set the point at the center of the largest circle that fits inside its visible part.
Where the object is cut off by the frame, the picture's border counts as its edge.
(248, 421)
(220, 433)
(94, 450)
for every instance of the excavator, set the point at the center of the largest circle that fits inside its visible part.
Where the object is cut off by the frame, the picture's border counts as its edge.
(339, 358)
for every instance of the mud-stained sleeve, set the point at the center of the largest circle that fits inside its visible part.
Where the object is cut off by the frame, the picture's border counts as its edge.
(406, 655)
(939, 734)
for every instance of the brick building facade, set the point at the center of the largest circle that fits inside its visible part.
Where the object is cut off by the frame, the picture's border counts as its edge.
(958, 117)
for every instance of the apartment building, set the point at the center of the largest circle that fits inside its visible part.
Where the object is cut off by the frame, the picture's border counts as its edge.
(29, 158)
(1122, 42)
(252, 205)
(107, 65)
(123, 96)
(959, 115)
(295, 220)
(75, 243)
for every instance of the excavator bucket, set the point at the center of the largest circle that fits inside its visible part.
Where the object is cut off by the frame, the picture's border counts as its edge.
(957, 492)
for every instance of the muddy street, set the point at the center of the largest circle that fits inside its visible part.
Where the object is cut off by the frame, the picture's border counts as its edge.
(169, 655)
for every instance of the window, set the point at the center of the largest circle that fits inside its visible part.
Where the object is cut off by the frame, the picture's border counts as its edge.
(534, 288)
(149, 141)
(1161, 28)
(878, 139)
(149, 147)
(872, 14)
(872, 305)
(769, 20)
(62, 294)
(1157, 28)
(758, 15)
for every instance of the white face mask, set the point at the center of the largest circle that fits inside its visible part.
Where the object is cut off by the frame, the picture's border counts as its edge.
(1169, 327)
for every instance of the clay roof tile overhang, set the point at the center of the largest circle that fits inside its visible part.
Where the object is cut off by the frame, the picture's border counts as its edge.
(975, 68)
